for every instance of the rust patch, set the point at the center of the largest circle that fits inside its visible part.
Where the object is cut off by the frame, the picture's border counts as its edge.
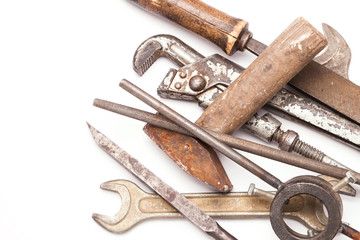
(193, 156)
(350, 232)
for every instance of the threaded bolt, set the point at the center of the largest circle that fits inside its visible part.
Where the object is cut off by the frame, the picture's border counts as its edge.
(289, 141)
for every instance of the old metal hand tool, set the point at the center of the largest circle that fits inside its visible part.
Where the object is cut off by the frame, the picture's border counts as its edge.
(311, 185)
(182, 87)
(350, 232)
(320, 213)
(174, 144)
(232, 34)
(138, 205)
(241, 144)
(212, 77)
(179, 202)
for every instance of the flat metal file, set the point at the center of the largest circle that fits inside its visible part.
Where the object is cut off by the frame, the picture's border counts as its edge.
(178, 201)
(232, 34)
(306, 184)
(238, 143)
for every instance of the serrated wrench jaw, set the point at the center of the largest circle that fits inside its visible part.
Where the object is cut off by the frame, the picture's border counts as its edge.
(163, 45)
(147, 53)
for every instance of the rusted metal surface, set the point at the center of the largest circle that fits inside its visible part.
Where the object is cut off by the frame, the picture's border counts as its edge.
(178, 201)
(163, 45)
(268, 128)
(315, 115)
(293, 49)
(192, 156)
(332, 89)
(315, 80)
(200, 133)
(238, 143)
(217, 73)
(138, 205)
(285, 103)
(208, 72)
(337, 56)
(312, 186)
(264, 127)
(326, 78)
(350, 232)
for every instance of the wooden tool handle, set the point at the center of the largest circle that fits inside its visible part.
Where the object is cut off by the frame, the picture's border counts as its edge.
(212, 24)
(285, 57)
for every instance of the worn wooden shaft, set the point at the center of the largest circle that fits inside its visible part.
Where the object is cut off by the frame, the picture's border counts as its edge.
(212, 24)
(283, 59)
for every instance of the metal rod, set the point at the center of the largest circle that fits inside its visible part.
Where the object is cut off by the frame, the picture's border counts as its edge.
(174, 198)
(201, 134)
(238, 143)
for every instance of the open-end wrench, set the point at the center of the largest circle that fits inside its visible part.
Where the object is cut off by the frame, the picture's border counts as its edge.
(177, 148)
(311, 185)
(199, 218)
(182, 87)
(285, 103)
(138, 205)
(232, 34)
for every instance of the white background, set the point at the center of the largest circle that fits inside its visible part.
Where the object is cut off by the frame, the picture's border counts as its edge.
(57, 56)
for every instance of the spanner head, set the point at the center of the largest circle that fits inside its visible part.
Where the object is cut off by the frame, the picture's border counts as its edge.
(134, 208)
(128, 214)
(337, 55)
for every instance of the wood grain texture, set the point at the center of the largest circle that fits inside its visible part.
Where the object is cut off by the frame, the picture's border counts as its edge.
(212, 24)
(283, 59)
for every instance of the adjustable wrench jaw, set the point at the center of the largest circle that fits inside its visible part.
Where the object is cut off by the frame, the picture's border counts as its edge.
(176, 84)
(213, 74)
(200, 81)
(163, 45)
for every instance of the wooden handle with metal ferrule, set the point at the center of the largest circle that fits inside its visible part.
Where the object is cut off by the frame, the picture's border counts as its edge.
(212, 24)
(282, 60)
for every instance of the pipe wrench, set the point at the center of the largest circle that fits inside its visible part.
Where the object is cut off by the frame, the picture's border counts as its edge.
(203, 79)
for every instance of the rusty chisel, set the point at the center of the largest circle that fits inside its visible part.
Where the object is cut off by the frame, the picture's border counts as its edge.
(183, 150)
(178, 201)
(232, 34)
